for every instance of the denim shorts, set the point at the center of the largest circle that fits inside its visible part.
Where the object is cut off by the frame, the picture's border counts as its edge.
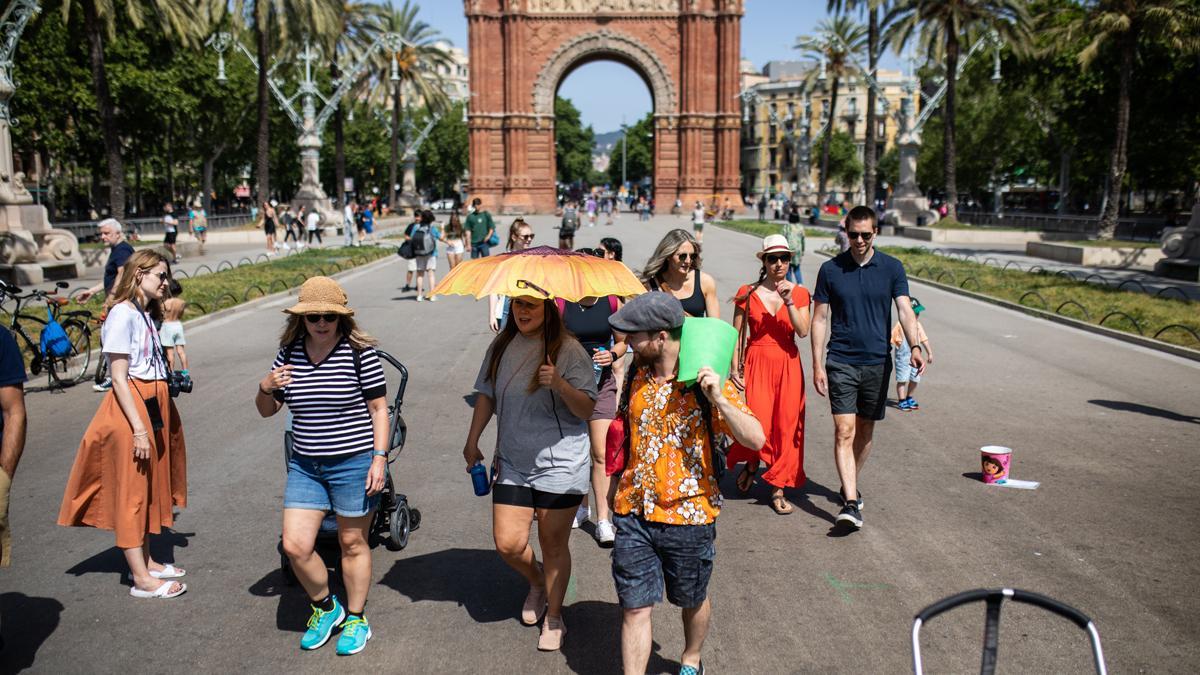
(904, 370)
(648, 555)
(337, 484)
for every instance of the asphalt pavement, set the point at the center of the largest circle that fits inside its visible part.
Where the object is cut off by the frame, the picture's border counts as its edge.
(1110, 430)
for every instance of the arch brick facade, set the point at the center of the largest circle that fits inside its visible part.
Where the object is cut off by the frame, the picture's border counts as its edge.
(687, 52)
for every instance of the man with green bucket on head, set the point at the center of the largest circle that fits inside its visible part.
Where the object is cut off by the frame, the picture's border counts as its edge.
(667, 499)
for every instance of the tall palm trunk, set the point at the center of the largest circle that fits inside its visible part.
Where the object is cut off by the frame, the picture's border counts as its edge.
(825, 144)
(263, 156)
(948, 149)
(395, 160)
(1119, 158)
(108, 122)
(869, 160)
(339, 144)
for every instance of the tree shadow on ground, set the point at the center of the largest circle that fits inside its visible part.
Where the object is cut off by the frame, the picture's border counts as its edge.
(27, 623)
(112, 560)
(475, 579)
(593, 642)
(293, 608)
(1126, 406)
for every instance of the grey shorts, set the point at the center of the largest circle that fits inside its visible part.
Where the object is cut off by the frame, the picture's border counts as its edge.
(858, 390)
(606, 399)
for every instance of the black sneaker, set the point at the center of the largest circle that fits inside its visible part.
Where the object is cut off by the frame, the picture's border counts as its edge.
(851, 516)
(859, 501)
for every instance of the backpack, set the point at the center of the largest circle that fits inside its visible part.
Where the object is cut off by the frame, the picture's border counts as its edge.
(55, 342)
(617, 448)
(422, 240)
(570, 222)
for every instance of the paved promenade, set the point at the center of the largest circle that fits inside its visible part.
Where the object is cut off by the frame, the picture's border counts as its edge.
(1110, 429)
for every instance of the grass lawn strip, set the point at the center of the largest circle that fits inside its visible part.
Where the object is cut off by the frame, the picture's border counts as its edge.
(761, 229)
(1065, 296)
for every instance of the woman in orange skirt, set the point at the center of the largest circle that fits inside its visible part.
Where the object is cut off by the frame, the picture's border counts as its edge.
(769, 314)
(130, 470)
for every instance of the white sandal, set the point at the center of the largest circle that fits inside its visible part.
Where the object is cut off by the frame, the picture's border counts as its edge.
(168, 571)
(162, 592)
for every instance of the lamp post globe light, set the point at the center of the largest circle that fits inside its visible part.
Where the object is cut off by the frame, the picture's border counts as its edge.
(308, 120)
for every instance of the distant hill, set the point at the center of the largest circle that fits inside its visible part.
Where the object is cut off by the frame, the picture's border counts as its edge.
(606, 142)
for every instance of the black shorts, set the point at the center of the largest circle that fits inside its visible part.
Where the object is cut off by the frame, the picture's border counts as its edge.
(169, 237)
(858, 390)
(532, 498)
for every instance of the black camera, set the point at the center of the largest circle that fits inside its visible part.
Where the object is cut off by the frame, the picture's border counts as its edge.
(179, 382)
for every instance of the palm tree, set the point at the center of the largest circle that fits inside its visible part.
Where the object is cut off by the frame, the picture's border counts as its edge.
(873, 7)
(943, 27)
(416, 64)
(1126, 24)
(836, 40)
(178, 19)
(360, 24)
(281, 20)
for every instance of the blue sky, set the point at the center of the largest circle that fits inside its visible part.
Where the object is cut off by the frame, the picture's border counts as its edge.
(607, 92)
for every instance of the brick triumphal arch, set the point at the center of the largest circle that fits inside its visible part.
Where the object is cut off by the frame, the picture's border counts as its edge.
(687, 52)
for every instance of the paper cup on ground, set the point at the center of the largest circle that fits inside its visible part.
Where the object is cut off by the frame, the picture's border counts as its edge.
(996, 459)
(705, 342)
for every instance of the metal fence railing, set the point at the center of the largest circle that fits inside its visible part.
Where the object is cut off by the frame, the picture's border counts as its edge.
(88, 230)
(1148, 228)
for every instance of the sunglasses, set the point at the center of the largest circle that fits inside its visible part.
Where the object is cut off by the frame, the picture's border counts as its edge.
(684, 257)
(865, 236)
(316, 318)
(776, 258)
(525, 237)
(160, 275)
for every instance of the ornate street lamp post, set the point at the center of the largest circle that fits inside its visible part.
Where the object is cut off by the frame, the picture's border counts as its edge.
(30, 249)
(309, 122)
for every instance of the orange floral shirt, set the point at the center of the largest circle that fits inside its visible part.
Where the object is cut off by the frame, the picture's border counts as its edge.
(668, 478)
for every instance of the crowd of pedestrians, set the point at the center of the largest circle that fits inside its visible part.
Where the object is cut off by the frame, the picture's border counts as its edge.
(592, 422)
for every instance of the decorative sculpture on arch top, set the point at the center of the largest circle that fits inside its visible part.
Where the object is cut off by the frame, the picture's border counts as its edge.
(31, 251)
(687, 52)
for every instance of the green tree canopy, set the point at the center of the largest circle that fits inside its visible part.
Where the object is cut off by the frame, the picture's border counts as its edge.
(573, 143)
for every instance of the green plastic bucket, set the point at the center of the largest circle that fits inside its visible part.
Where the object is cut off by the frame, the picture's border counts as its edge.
(705, 342)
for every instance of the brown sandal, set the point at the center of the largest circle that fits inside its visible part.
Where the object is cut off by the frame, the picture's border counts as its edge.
(781, 506)
(745, 478)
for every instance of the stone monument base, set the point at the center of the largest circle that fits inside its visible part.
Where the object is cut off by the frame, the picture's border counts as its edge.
(1183, 269)
(906, 211)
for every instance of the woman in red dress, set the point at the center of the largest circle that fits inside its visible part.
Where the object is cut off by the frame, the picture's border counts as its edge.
(769, 315)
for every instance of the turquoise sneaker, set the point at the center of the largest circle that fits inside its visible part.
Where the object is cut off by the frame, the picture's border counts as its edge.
(355, 633)
(321, 625)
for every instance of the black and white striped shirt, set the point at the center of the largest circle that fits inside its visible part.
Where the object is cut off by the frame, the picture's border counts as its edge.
(328, 401)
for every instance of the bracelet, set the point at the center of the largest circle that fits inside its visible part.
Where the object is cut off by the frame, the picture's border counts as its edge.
(378, 453)
(142, 433)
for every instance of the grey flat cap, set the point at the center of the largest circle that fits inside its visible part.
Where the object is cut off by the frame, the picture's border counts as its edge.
(648, 312)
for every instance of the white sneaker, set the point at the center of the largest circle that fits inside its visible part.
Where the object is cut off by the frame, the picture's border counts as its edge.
(433, 298)
(420, 298)
(605, 534)
(581, 517)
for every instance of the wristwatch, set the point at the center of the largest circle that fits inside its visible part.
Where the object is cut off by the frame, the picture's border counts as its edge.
(379, 453)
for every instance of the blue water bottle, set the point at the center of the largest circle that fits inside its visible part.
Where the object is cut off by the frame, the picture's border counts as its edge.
(479, 479)
(596, 367)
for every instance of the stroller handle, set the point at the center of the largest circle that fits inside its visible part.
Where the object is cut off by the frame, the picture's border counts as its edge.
(993, 598)
(403, 374)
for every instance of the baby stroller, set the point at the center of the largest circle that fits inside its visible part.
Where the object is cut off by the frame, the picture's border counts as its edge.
(394, 519)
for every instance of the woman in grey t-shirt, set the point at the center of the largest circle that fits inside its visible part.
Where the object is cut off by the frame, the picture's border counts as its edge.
(539, 382)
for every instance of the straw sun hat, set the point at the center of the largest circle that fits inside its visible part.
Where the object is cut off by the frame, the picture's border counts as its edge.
(320, 295)
(774, 243)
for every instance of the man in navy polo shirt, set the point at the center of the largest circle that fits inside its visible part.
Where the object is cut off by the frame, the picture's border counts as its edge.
(852, 307)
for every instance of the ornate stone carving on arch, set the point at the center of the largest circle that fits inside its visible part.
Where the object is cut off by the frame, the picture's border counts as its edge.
(610, 43)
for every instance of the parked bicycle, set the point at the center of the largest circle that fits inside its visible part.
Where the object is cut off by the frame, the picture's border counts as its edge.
(62, 369)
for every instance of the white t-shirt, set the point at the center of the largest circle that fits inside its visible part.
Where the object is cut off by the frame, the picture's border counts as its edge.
(311, 220)
(169, 223)
(132, 334)
(698, 216)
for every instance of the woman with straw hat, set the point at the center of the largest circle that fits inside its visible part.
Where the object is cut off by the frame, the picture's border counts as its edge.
(130, 469)
(328, 373)
(769, 314)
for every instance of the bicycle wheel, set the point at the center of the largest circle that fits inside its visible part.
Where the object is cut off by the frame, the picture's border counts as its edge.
(101, 369)
(73, 367)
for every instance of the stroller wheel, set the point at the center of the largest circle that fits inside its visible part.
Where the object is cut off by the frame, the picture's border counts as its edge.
(400, 527)
(414, 518)
(289, 575)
